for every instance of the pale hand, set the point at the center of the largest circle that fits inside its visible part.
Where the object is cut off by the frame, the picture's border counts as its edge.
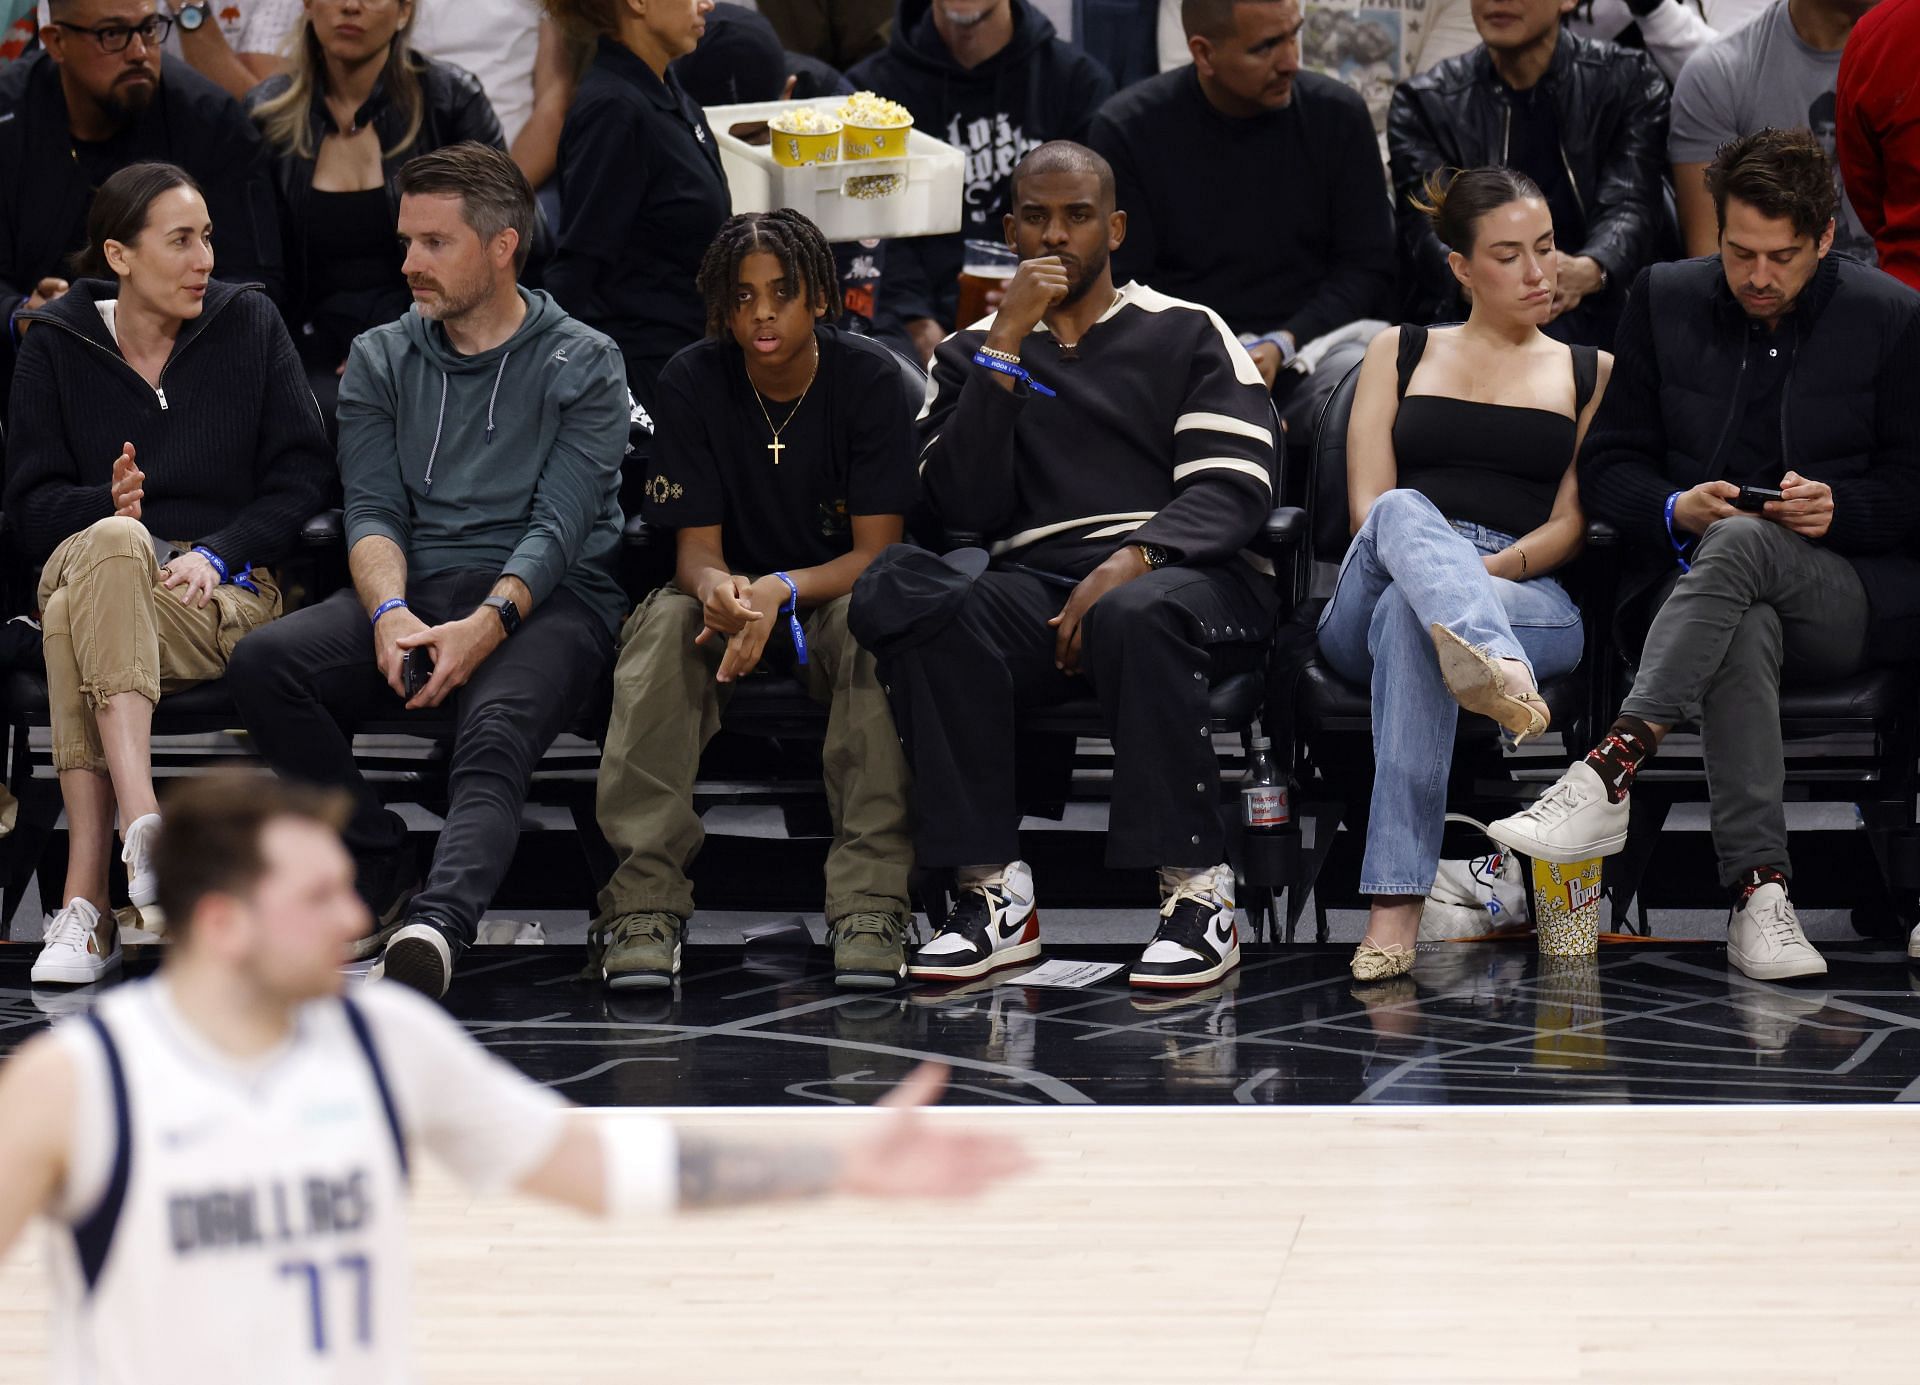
(1807, 506)
(1035, 287)
(1580, 278)
(459, 647)
(129, 484)
(191, 578)
(392, 658)
(1266, 360)
(909, 1157)
(1705, 505)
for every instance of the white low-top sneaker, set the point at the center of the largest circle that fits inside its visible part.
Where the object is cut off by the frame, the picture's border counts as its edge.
(71, 955)
(1764, 938)
(1572, 821)
(136, 853)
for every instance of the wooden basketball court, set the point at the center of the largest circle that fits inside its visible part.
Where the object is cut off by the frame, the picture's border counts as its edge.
(1487, 1244)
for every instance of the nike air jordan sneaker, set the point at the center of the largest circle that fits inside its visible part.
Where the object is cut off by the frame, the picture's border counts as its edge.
(994, 925)
(1198, 941)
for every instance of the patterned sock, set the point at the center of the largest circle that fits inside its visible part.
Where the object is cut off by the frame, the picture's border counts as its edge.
(1744, 887)
(1628, 745)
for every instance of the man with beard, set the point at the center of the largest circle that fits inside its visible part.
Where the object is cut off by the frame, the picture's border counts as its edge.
(1113, 450)
(93, 101)
(480, 445)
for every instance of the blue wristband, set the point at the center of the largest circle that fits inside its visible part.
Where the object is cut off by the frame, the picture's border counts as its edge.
(1018, 372)
(792, 612)
(1679, 548)
(219, 565)
(397, 603)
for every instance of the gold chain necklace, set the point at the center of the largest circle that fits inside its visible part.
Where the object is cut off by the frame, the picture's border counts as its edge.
(776, 446)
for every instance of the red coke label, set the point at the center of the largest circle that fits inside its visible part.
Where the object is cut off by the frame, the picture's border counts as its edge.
(1264, 806)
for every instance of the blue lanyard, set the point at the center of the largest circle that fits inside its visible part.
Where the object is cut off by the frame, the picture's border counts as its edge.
(1016, 371)
(792, 612)
(1680, 546)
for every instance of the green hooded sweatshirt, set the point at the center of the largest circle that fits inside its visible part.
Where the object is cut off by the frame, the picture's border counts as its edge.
(507, 460)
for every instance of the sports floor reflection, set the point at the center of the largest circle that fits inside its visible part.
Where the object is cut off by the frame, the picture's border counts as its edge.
(1473, 1023)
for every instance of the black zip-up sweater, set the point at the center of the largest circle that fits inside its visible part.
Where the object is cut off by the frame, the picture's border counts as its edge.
(1161, 433)
(1847, 414)
(232, 445)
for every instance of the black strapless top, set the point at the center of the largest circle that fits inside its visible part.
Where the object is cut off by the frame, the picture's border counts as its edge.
(1497, 465)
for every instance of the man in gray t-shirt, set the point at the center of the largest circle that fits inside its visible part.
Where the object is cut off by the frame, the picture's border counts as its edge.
(1762, 74)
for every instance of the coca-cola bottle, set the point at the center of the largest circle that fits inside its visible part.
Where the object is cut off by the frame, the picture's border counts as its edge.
(1265, 804)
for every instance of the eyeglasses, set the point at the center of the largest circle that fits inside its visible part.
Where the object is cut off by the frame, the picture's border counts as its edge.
(114, 38)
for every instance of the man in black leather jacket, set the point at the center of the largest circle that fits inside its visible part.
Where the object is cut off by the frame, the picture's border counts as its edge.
(1585, 120)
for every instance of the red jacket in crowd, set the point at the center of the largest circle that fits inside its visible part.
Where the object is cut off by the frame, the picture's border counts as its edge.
(1878, 109)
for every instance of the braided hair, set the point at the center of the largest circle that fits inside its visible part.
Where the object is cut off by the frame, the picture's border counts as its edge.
(805, 259)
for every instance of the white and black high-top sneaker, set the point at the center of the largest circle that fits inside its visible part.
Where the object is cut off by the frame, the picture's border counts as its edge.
(994, 925)
(1198, 940)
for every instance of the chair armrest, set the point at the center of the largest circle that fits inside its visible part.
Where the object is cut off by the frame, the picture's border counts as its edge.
(638, 536)
(325, 530)
(1600, 534)
(1284, 531)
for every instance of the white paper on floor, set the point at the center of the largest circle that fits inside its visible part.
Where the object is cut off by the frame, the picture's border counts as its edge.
(1064, 975)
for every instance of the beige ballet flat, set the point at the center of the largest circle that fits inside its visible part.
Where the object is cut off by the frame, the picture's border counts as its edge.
(1373, 963)
(1479, 684)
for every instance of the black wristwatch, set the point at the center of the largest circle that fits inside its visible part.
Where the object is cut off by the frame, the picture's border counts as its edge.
(509, 613)
(191, 16)
(1154, 556)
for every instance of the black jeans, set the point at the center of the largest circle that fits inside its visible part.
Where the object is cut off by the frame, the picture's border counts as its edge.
(304, 682)
(1150, 650)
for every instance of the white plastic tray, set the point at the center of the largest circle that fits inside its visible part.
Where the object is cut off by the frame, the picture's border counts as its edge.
(928, 204)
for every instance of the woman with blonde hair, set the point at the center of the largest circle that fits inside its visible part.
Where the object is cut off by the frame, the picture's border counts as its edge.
(354, 105)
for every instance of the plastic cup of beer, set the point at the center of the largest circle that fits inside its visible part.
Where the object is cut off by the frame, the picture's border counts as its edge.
(988, 268)
(1566, 906)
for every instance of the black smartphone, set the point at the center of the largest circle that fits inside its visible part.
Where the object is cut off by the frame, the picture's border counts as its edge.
(1756, 497)
(417, 672)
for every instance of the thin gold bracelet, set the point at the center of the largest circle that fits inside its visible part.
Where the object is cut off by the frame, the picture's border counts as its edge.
(1009, 357)
(1523, 561)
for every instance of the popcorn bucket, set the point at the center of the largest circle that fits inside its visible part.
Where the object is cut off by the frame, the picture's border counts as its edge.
(1566, 906)
(793, 149)
(875, 127)
(1567, 1014)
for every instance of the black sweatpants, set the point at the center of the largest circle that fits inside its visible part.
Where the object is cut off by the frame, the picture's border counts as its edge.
(1150, 651)
(305, 681)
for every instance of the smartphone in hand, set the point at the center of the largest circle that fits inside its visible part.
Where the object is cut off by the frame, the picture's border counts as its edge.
(417, 672)
(1756, 497)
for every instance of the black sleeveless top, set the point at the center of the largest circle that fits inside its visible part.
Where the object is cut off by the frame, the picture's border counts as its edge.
(1497, 465)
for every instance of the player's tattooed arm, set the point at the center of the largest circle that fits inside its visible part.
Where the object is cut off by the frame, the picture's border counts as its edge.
(719, 1173)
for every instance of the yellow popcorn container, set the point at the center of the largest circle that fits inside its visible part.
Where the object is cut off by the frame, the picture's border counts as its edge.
(799, 148)
(875, 128)
(1569, 1007)
(1566, 906)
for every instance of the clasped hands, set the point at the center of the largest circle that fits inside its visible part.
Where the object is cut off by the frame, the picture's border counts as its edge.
(1805, 507)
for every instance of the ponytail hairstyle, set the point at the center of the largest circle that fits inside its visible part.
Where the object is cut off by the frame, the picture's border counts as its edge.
(1455, 200)
(119, 211)
(805, 259)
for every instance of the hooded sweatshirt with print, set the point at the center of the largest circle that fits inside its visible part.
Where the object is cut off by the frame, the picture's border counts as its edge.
(508, 459)
(1037, 88)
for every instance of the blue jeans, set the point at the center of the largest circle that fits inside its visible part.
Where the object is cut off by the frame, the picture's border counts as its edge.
(1409, 567)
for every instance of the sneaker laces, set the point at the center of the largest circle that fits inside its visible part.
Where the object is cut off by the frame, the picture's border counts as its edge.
(68, 928)
(1556, 805)
(1193, 889)
(886, 927)
(604, 934)
(1777, 922)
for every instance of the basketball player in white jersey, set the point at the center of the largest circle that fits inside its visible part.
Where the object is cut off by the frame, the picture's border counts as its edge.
(223, 1149)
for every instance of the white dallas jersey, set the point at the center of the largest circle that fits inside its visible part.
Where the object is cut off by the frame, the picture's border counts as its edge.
(228, 1221)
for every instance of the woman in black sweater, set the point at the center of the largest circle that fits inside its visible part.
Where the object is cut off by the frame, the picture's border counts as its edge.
(354, 105)
(165, 452)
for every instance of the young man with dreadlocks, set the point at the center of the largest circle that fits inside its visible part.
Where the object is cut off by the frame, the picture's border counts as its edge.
(783, 461)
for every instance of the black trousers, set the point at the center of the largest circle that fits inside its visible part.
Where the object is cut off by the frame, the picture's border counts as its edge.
(304, 682)
(1150, 651)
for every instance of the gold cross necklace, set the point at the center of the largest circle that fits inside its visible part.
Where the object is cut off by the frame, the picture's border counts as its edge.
(776, 446)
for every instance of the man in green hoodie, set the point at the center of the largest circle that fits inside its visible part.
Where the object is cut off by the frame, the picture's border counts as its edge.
(480, 445)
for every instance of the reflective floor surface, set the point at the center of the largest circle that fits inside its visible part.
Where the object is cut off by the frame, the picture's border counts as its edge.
(1474, 1023)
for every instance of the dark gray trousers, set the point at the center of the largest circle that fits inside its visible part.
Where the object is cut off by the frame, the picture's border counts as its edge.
(1761, 608)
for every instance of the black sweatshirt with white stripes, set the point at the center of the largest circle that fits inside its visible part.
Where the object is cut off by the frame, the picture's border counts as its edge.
(1161, 432)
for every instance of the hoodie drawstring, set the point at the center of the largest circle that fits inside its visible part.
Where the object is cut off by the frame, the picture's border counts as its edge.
(437, 427)
(499, 375)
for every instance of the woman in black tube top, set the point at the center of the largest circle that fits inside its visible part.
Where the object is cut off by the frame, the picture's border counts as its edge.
(1462, 498)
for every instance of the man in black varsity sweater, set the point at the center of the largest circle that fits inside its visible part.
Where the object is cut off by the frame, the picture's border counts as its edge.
(1113, 450)
(1759, 448)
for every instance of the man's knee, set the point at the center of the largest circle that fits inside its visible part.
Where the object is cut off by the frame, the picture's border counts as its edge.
(1755, 540)
(116, 536)
(1139, 612)
(265, 657)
